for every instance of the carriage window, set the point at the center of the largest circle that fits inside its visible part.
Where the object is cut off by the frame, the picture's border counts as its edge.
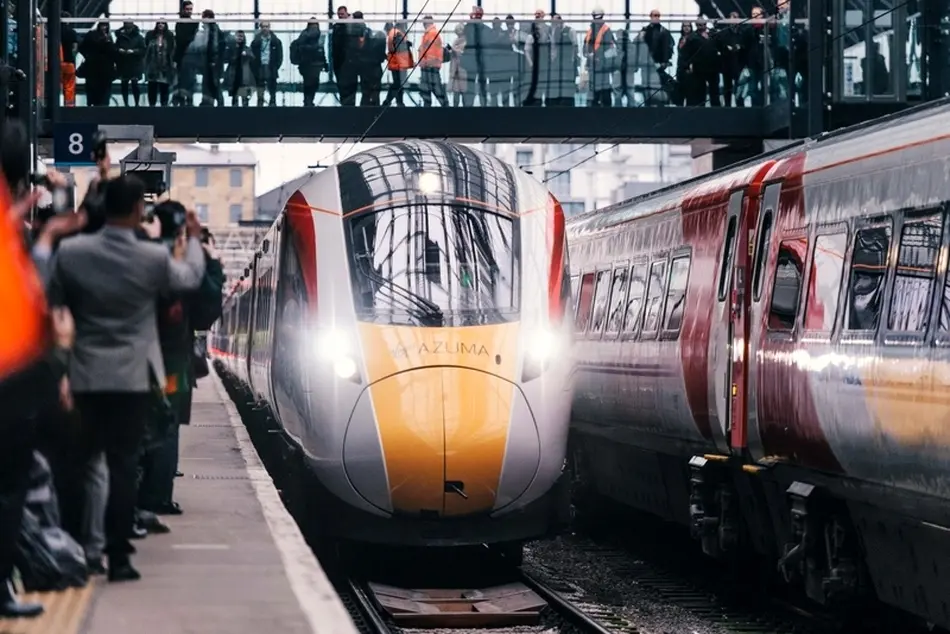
(601, 295)
(726, 264)
(575, 293)
(651, 316)
(676, 295)
(868, 272)
(827, 264)
(618, 292)
(787, 287)
(585, 302)
(761, 251)
(916, 271)
(631, 315)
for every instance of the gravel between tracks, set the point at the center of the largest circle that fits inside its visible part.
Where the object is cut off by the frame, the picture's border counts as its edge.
(569, 559)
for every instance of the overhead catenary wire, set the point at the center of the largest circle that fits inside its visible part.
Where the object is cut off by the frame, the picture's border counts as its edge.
(704, 104)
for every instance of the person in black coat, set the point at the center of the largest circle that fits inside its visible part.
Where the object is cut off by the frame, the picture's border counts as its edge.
(268, 57)
(308, 55)
(99, 68)
(706, 67)
(186, 73)
(130, 60)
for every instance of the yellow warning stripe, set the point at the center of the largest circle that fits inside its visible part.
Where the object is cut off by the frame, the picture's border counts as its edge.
(64, 613)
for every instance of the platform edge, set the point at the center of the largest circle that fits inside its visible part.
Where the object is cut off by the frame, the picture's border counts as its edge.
(320, 604)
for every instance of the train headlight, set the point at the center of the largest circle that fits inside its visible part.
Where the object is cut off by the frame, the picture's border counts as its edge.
(335, 347)
(541, 347)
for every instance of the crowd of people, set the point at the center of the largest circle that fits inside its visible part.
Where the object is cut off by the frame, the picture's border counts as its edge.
(499, 62)
(98, 358)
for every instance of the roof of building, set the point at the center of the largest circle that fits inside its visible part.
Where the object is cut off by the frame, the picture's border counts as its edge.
(270, 203)
(192, 155)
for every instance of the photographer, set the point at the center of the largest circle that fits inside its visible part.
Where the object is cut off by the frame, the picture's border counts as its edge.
(110, 281)
(31, 371)
(179, 315)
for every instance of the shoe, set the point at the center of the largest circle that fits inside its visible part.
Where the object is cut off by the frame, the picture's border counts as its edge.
(120, 569)
(138, 532)
(12, 608)
(153, 525)
(170, 508)
(96, 567)
(179, 474)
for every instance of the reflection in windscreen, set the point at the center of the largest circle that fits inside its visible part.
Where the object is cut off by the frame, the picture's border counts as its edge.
(434, 264)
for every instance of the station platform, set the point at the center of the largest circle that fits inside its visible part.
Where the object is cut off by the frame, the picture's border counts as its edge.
(234, 562)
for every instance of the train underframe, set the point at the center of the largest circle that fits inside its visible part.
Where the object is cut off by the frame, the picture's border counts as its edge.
(839, 541)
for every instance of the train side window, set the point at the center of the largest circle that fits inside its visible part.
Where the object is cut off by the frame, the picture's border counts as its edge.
(631, 314)
(868, 274)
(575, 293)
(827, 265)
(585, 302)
(676, 295)
(727, 250)
(601, 295)
(618, 292)
(761, 251)
(651, 318)
(787, 286)
(916, 273)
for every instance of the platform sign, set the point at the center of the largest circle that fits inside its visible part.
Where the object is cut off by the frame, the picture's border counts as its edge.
(73, 143)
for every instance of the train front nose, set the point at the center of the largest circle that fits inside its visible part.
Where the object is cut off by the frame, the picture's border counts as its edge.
(445, 435)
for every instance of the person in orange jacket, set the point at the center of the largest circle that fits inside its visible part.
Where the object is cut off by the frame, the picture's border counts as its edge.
(398, 61)
(431, 56)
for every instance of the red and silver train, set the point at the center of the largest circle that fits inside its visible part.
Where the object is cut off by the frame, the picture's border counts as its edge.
(405, 322)
(763, 354)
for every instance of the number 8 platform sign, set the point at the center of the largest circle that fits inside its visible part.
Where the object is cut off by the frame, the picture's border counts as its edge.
(74, 143)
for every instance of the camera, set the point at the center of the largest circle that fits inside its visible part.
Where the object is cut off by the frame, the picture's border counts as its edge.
(63, 199)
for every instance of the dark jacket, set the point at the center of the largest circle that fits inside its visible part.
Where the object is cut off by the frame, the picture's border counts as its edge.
(160, 57)
(130, 65)
(69, 42)
(276, 55)
(185, 33)
(99, 54)
(660, 42)
(307, 52)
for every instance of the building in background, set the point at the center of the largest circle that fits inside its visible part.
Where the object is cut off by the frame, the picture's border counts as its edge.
(585, 177)
(218, 184)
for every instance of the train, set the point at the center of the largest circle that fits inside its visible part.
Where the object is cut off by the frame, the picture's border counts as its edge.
(763, 355)
(405, 322)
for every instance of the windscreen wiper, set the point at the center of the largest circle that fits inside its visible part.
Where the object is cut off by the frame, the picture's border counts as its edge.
(430, 310)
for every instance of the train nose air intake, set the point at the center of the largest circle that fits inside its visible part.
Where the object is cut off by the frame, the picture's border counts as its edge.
(443, 433)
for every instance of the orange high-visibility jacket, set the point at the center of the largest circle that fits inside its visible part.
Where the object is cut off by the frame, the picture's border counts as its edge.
(430, 51)
(599, 40)
(397, 50)
(22, 301)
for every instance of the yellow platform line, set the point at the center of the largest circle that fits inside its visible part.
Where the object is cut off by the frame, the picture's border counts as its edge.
(64, 613)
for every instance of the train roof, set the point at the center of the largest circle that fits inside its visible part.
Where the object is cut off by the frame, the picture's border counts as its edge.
(826, 147)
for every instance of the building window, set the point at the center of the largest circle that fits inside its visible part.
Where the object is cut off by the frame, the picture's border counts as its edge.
(524, 158)
(202, 210)
(237, 178)
(572, 208)
(236, 211)
(559, 182)
(201, 177)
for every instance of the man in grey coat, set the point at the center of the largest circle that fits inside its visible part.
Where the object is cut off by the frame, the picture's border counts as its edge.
(110, 281)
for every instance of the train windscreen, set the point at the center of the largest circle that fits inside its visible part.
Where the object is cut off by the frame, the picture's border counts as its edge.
(434, 264)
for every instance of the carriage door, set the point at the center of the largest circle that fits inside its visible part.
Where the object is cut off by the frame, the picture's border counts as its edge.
(727, 340)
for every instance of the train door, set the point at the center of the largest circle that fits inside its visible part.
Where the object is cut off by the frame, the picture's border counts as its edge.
(763, 241)
(729, 340)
